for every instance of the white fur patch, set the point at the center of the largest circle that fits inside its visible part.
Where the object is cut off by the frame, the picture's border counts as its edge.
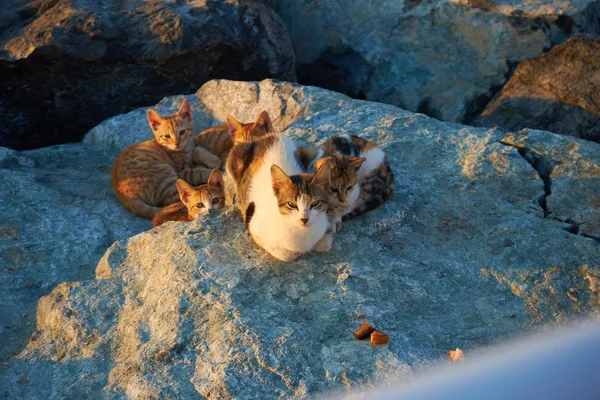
(374, 158)
(319, 155)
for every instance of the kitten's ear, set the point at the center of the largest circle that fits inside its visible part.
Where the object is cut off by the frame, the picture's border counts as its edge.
(279, 179)
(185, 111)
(185, 190)
(216, 179)
(356, 163)
(154, 118)
(323, 176)
(264, 121)
(319, 163)
(234, 126)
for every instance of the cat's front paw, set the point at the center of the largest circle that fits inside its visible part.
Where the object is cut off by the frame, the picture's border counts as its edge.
(211, 162)
(324, 245)
(335, 226)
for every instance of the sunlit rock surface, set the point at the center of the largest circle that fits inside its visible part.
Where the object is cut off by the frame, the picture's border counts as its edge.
(471, 249)
(558, 91)
(443, 58)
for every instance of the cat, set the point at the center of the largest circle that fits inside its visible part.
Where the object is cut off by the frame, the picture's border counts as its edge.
(343, 189)
(144, 174)
(357, 190)
(193, 201)
(284, 209)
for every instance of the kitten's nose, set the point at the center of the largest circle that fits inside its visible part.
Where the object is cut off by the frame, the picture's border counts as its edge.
(304, 220)
(342, 198)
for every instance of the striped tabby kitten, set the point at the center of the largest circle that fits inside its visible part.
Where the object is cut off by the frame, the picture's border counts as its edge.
(285, 211)
(193, 201)
(144, 174)
(361, 189)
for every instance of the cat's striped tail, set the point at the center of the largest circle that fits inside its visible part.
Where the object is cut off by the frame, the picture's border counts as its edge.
(377, 188)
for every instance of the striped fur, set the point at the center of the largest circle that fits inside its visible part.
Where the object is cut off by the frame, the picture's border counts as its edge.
(374, 179)
(144, 175)
(193, 201)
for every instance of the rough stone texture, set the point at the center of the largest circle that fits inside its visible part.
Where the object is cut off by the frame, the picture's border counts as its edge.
(558, 91)
(443, 58)
(192, 310)
(66, 65)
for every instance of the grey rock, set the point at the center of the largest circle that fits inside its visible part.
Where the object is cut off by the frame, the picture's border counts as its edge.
(67, 65)
(557, 91)
(444, 58)
(191, 310)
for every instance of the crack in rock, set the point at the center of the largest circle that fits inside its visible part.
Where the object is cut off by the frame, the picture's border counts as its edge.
(542, 166)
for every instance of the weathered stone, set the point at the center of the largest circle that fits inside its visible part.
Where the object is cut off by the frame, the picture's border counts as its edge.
(196, 309)
(558, 91)
(443, 58)
(67, 65)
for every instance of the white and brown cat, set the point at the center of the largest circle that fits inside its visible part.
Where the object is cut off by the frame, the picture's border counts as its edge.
(284, 209)
(361, 177)
(194, 201)
(144, 174)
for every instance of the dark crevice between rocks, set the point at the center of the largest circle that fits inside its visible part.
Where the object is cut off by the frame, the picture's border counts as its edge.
(574, 228)
(544, 169)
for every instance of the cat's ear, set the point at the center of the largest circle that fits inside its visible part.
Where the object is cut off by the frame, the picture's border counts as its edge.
(355, 163)
(216, 179)
(279, 179)
(234, 126)
(264, 121)
(323, 176)
(319, 163)
(154, 118)
(185, 111)
(185, 190)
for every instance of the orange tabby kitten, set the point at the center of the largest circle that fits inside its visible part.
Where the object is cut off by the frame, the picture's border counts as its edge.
(193, 201)
(144, 174)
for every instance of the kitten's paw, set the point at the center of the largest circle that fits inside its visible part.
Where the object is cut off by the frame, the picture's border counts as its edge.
(201, 156)
(212, 162)
(284, 255)
(335, 226)
(324, 245)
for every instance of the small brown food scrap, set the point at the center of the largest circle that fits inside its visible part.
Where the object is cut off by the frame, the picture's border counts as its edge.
(378, 337)
(364, 331)
(360, 316)
(456, 355)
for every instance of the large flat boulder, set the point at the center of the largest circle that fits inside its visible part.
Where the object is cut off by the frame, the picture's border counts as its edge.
(66, 65)
(558, 91)
(465, 254)
(445, 58)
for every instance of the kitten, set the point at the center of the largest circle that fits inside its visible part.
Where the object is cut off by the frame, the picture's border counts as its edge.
(193, 201)
(144, 174)
(284, 210)
(343, 189)
(373, 182)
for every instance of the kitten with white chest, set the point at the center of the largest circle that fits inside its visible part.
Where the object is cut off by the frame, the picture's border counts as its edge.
(284, 209)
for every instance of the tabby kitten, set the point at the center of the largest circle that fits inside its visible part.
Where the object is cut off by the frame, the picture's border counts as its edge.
(193, 201)
(357, 189)
(284, 210)
(144, 174)
(343, 189)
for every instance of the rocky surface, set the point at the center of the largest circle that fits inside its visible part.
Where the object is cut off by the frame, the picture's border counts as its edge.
(472, 248)
(443, 58)
(66, 65)
(558, 91)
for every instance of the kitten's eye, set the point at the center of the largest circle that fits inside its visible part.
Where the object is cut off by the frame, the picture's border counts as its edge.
(200, 205)
(334, 190)
(292, 205)
(216, 200)
(182, 132)
(349, 188)
(167, 137)
(315, 204)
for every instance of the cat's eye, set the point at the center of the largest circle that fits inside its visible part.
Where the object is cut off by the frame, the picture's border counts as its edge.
(350, 188)
(315, 204)
(167, 137)
(200, 205)
(182, 132)
(335, 190)
(292, 205)
(216, 200)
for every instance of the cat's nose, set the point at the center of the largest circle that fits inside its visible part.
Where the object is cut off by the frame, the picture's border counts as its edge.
(304, 220)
